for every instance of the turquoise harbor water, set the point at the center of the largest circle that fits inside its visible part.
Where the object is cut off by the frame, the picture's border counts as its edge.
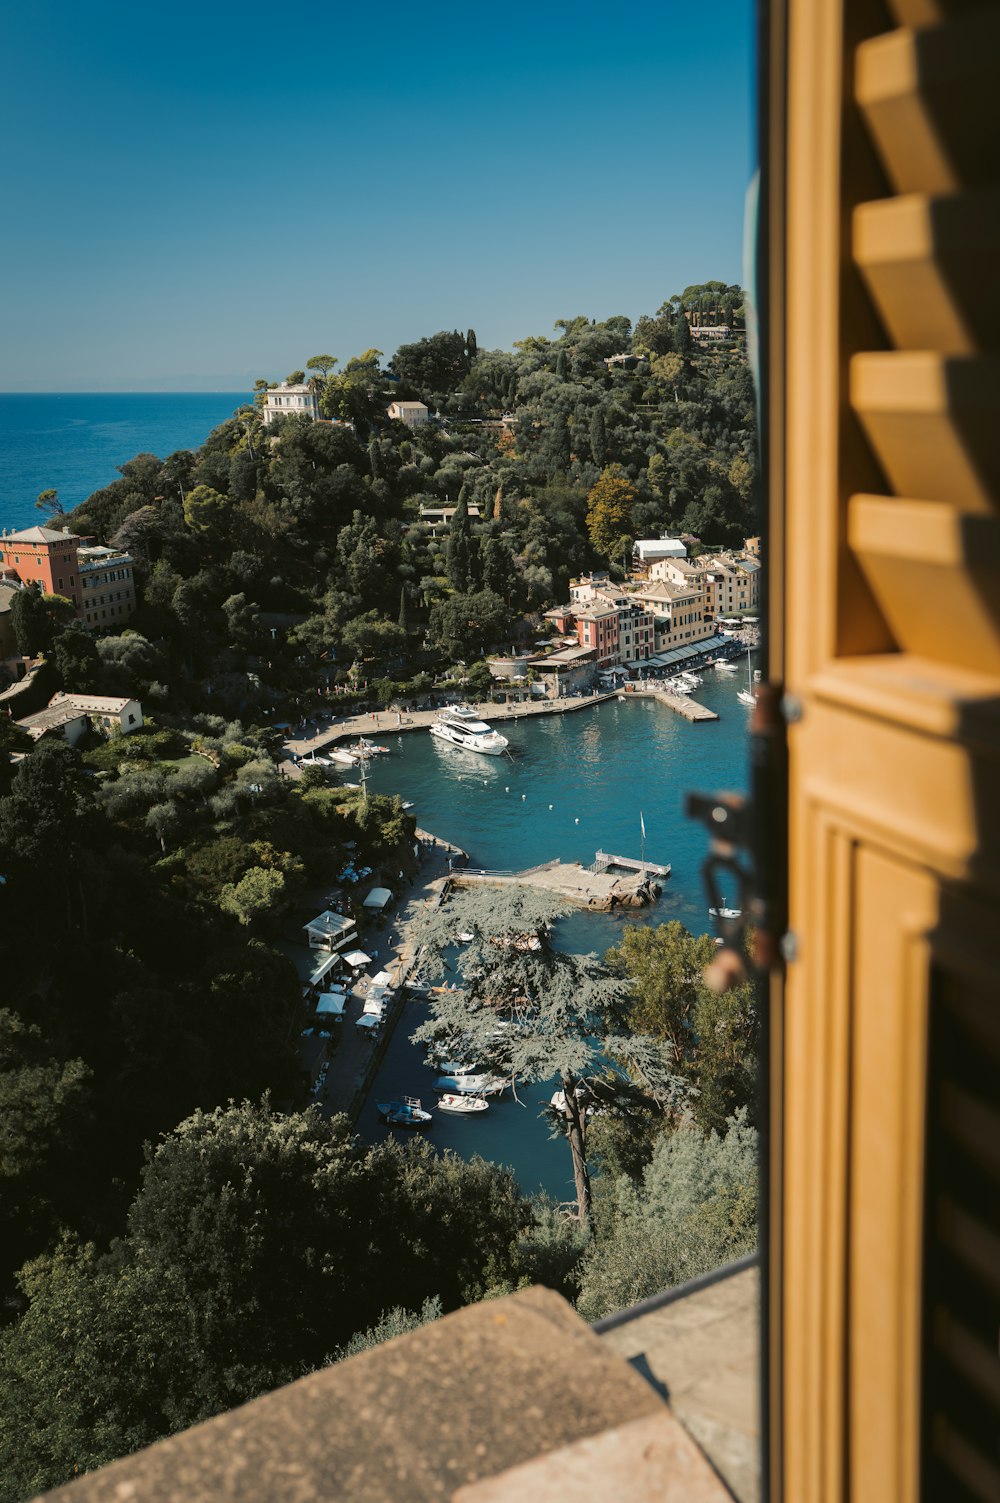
(602, 767)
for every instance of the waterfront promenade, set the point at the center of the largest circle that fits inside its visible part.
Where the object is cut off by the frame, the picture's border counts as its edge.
(377, 723)
(313, 738)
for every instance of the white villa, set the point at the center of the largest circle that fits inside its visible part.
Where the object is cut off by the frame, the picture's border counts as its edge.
(284, 399)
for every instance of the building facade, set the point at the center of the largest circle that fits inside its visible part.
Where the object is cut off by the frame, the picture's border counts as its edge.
(44, 556)
(285, 401)
(99, 581)
(413, 414)
(107, 583)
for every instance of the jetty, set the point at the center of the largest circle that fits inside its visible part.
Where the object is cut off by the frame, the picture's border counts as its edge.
(683, 705)
(603, 860)
(599, 889)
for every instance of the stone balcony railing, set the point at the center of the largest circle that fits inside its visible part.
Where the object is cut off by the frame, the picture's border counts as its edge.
(501, 1402)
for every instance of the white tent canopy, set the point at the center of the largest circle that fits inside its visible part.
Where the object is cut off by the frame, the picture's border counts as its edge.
(368, 1022)
(382, 978)
(378, 898)
(332, 1006)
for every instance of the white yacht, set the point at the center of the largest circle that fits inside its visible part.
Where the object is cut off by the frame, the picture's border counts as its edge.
(462, 727)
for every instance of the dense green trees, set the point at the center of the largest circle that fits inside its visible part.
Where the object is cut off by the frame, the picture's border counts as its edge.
(321, 520)
(256, 1246)
(692, 1209)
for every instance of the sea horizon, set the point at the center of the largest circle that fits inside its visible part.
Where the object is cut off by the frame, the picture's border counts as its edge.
(74, 441)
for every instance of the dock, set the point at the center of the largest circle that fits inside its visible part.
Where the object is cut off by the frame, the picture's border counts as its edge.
(603, 860)
(684, 705)
(598, 890)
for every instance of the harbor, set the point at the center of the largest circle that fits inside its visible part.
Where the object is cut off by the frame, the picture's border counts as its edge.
(574, 794)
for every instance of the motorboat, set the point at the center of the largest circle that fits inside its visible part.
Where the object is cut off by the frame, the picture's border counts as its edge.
(404, 1112)
(342, 758)
(362, 750)
(725, 913)
(463, 727)
(722, 665)
(452, 1067)
(469, 1085)
(463, 1106)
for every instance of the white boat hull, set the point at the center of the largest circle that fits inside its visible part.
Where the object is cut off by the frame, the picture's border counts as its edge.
(462, 1106)
(491, 746)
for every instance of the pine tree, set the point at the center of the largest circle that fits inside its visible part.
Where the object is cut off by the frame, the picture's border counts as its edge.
(562, 1014)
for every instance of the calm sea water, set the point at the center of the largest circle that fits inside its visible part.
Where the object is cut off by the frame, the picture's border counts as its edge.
(576, 783)
(73, 442)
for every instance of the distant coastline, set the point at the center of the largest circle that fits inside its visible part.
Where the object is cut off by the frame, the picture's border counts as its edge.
(74, 441)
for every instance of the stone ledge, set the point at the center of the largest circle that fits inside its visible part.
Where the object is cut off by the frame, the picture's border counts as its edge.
(465, 1398)
(651, 1460)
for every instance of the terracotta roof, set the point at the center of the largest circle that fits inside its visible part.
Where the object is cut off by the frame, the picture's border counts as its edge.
(41, 535)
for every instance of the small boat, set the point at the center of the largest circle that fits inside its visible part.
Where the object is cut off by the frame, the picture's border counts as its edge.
(726, 913)
(722, 665)
(405, 1112)
(469, 1085)
(362, 750)
(466, 938)
(464, 1106)
(451, 1067)
(342, 758)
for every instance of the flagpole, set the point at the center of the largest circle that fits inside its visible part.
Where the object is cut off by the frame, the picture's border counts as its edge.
(642, 827)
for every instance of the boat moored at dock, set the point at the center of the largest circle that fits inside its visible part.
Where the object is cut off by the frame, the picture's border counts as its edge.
(462, 1106)
(463, 727)
(469, 1085)
(406, 1111)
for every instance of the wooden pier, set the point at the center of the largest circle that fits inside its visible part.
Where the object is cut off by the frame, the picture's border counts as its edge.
(603, 860)
(689, 708)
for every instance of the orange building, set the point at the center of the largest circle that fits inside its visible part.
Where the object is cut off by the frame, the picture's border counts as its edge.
(99, 581)
(45, 556)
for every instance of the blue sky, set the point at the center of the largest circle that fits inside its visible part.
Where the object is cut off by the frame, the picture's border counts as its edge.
(195, 195)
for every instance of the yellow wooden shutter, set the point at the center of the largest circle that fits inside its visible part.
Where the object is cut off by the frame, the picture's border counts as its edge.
(881, 220)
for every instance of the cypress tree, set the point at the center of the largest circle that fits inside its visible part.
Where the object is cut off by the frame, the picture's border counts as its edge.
(460, 548)
(404, 615)
(598, 437)
(682, 334)
(471, 346)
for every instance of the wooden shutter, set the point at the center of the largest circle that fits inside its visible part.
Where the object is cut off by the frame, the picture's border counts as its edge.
(881, 225)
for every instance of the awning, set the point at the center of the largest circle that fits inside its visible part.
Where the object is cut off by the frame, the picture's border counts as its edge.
(323, 968)
(355, 958)
(374, 1008)
(368, 1023)
(382, 978)
(378, 898)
